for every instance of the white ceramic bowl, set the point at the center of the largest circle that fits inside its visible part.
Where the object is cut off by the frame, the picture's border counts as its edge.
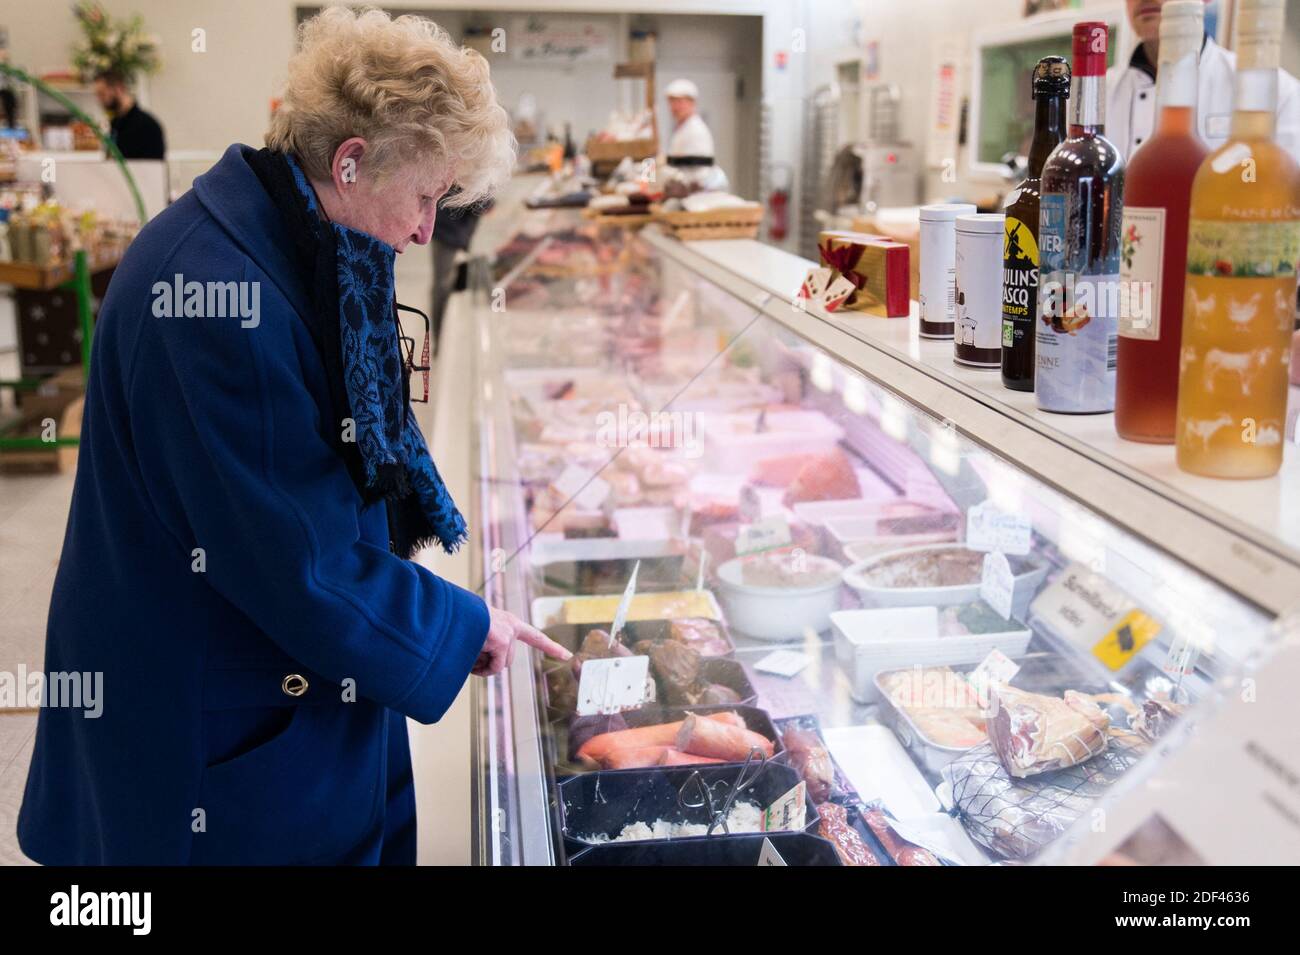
(778, 613)
(1024, 587)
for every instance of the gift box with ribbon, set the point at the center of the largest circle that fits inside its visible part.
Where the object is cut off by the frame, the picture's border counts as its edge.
(876, 266)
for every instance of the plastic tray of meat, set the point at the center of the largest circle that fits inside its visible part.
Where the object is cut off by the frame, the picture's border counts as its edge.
(794, 849)
(709, 638)
(653, 804)
(655, 736)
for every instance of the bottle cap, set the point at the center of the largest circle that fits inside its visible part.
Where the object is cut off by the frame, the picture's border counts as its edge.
(1182, 27)
(1090, 38)
(1052, 75)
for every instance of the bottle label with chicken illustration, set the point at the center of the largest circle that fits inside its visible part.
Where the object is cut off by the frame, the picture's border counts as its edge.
(1079, 301)
(1141, 266)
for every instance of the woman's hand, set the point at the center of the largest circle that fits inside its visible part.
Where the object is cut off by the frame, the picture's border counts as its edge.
(499, 648)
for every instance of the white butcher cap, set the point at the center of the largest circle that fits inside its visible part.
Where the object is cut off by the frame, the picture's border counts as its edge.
(682, 88)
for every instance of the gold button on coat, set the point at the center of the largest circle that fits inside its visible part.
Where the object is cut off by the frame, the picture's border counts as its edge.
(295, 684)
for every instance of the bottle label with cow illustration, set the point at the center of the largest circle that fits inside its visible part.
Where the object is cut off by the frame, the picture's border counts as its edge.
(1141, 266)
(1079, 301)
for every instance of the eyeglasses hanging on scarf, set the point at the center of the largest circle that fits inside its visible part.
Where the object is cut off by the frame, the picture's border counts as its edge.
(408, 351)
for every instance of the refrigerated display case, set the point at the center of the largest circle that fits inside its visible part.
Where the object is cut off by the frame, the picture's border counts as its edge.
(962, 628)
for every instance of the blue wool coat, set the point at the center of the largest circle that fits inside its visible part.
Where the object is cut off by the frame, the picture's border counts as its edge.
(215, 546)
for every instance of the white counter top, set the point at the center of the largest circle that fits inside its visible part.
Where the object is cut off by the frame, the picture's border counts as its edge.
(1268, 510)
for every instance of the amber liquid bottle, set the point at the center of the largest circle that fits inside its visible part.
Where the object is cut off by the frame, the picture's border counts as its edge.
(1242, 246)
(1153, 253)
(1051, 91)
(1079, 217)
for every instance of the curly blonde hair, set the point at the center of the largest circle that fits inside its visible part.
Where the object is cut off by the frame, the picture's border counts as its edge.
(406, 88)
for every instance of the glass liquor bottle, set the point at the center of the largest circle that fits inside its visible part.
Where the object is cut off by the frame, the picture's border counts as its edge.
(1080, 209)
(1242, 244)
(1153, 256)
(1050, 89)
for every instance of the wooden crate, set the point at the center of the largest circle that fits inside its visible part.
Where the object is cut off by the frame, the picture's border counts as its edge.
(737, 222)
(56, 458)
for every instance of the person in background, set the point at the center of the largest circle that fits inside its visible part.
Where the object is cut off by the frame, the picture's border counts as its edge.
(136, 134)
(1131, 90)
(691, 138)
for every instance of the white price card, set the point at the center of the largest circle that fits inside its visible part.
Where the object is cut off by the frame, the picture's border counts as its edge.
(788, 811)
(783, 662)
(612, 684)
(581, 486)
(769, 855)
(988, 528)
(997, 667)
(767, 534)
(997, 583)
(620, 615)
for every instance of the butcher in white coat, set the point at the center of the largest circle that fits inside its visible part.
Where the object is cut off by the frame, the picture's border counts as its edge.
(1131, 90)
(691, 137)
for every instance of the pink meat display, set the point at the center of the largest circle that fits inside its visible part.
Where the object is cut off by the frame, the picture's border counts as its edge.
(1032, 733)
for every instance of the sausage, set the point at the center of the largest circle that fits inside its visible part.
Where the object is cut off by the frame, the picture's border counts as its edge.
(811, 760)
(899, 849)
(634, 758)
(704, 737)
(660, 734)
(849, 846)
(675, 757)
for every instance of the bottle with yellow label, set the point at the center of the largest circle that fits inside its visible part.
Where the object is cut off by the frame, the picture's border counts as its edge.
(1051, 90)
(1239, 302)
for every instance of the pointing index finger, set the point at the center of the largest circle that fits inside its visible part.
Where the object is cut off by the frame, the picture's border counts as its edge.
(535, 638)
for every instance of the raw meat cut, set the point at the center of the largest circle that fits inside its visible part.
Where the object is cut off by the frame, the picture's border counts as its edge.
(1032, 733)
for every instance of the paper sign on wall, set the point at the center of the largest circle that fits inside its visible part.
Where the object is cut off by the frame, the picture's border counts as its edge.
(612, 684)
(988, 528)
(788, 811)
(997, 583)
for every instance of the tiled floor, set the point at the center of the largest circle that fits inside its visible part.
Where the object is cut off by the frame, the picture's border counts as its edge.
(33, 516)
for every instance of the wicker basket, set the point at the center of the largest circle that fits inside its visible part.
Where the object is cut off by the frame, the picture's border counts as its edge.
(626, 220)
(737, 222)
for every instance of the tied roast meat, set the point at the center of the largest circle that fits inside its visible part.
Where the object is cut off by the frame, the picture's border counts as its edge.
(1032, 733)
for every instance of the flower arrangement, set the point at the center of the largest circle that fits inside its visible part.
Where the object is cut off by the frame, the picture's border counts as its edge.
(121, 46)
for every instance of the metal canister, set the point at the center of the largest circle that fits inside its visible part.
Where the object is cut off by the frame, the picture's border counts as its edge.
(938, 264)
(977, 335)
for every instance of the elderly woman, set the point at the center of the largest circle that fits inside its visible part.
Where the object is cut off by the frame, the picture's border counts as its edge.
(252, 486)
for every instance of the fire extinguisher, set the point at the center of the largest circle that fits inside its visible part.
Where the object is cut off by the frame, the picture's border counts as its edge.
(778, 203)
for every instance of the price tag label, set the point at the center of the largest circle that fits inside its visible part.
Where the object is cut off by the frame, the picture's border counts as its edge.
(1122, 643)
(768, 855)
(997, 667)
(767, 534)
(620, 615)
(612, 685)
(988, 528)
(997, 584)
(783, 662)
(788, 811)
(578, 484)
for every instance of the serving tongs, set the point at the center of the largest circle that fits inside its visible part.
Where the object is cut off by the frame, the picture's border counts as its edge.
(701, 795)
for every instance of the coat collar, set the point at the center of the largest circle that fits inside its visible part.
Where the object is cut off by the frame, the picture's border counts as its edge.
(232, 194)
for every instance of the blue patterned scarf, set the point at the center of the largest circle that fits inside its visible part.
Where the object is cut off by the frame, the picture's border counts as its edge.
(350, 274)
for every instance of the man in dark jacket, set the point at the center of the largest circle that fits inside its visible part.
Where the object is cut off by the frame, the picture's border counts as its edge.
(136, 134)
